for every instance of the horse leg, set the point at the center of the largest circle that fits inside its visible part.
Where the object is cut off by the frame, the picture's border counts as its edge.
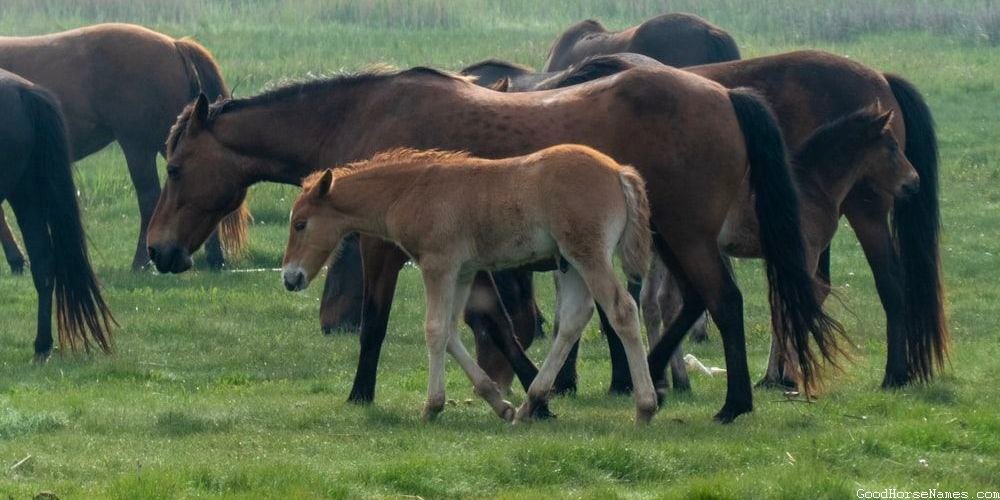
(576, 306)
(343, 295)
(485, 311)
(382, 262)
(38, 244)
(873, 232)
(705, 270)
(142, 168)
(10, 249)
(624, 318)
(483, 384)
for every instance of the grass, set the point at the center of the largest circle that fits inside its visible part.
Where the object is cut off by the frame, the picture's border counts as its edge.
(223, 386)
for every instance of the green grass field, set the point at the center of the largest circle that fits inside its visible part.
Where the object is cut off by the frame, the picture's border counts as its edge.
(223, 385)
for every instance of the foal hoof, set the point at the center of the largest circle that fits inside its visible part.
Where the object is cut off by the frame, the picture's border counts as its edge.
(729, 412)
(644, 415)
(523, 414)
(431, 413)
(507, 413)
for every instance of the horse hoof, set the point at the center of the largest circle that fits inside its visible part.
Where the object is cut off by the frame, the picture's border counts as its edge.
(729, 412)
(643, 416)
(782, 384)
(361, 398)
(431, 412)
(523, 414)
(16, 267)
(41, 358)
(542, 412)
(508, 411)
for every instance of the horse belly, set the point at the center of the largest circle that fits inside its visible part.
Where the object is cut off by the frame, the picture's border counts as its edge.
(517, 248)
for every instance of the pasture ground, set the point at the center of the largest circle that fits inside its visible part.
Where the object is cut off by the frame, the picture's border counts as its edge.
(224, 387)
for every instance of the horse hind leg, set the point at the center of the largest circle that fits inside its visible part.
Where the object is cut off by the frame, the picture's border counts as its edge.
(576, 306)
(34, 230)
(15, 259)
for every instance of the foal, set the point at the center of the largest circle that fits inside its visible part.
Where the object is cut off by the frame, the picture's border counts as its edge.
(455, 214)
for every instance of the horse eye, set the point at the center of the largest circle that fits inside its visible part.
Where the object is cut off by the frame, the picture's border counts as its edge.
(173, 172)
(300, 225)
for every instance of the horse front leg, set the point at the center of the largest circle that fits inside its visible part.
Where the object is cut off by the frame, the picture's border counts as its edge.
(343, 296)
(382, 263)
(142, 169)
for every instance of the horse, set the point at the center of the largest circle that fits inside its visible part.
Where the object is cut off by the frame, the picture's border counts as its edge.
(36, 178)
(899, 236)
(691, 139)
(674, 39)
(859, 147)
(128, 84)
(455, 214)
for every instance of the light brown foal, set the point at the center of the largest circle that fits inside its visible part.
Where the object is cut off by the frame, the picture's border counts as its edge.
(455, 215)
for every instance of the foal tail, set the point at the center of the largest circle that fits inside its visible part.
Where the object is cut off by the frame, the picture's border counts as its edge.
(81, 312)
(916, 225)
(791, 285)
(636, 242)
(205, 77)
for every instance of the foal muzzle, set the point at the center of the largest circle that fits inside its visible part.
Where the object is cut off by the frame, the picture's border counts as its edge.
(294, 278)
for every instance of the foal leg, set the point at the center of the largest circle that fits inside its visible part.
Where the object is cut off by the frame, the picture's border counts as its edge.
(34, 230)
(440, 286)
(10, 249)
(623, 314)
(576, 306)
(668, 303)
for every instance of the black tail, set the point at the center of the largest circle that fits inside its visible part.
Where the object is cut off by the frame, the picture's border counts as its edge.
(81, 312)
(792, 288)
(916, 225)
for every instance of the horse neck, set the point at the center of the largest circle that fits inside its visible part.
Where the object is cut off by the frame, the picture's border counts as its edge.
(290, 138)
(365, 198)
(828, 182)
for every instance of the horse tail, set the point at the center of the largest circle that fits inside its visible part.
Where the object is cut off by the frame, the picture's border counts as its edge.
(791, 287)
(916, 224)
(81, 312)
(724, 47)
(205, 77)
(636, 242)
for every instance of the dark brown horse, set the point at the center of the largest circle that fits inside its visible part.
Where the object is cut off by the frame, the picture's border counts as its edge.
(691, 139)
(674, 39)
(36, 178)
(124, 83)
(899, 236)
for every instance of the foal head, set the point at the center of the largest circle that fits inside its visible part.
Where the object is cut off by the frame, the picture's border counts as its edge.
(864, 142)
(315, 231)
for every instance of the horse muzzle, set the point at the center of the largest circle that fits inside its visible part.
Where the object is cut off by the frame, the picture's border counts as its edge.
(170, 258)
(295, 278)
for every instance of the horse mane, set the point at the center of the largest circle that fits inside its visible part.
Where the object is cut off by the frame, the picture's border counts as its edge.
(394, 157)
(294, 89)
(592, 68)
(497, 62)
(838, 141)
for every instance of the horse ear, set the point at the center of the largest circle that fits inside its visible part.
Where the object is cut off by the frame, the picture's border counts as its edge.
(199, 115)
(324, 184)
(501, 85)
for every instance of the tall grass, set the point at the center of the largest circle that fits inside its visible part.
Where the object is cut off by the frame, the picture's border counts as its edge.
(972, 21)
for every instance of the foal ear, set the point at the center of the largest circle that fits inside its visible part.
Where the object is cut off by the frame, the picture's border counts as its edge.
(880, 125)
(323, 186)
(199, 115)
(501, 85)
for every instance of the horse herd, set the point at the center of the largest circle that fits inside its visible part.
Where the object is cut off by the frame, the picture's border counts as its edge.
(486, 176)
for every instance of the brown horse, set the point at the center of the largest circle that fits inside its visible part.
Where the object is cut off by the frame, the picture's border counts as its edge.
(36, 178)
(455, 215)
(127, 84)
(691, 139)
(674, 39)
(859, 147)
(899, 236)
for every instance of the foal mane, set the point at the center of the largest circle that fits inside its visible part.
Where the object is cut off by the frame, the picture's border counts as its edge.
(838, 141)
(396, 157)
(295, 89)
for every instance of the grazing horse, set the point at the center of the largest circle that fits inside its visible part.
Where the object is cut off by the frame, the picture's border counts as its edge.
(454, 215)
(674, 39)
(692, 140)
(899, 236)
(36, 178)
(128, 85)
(859, 147)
